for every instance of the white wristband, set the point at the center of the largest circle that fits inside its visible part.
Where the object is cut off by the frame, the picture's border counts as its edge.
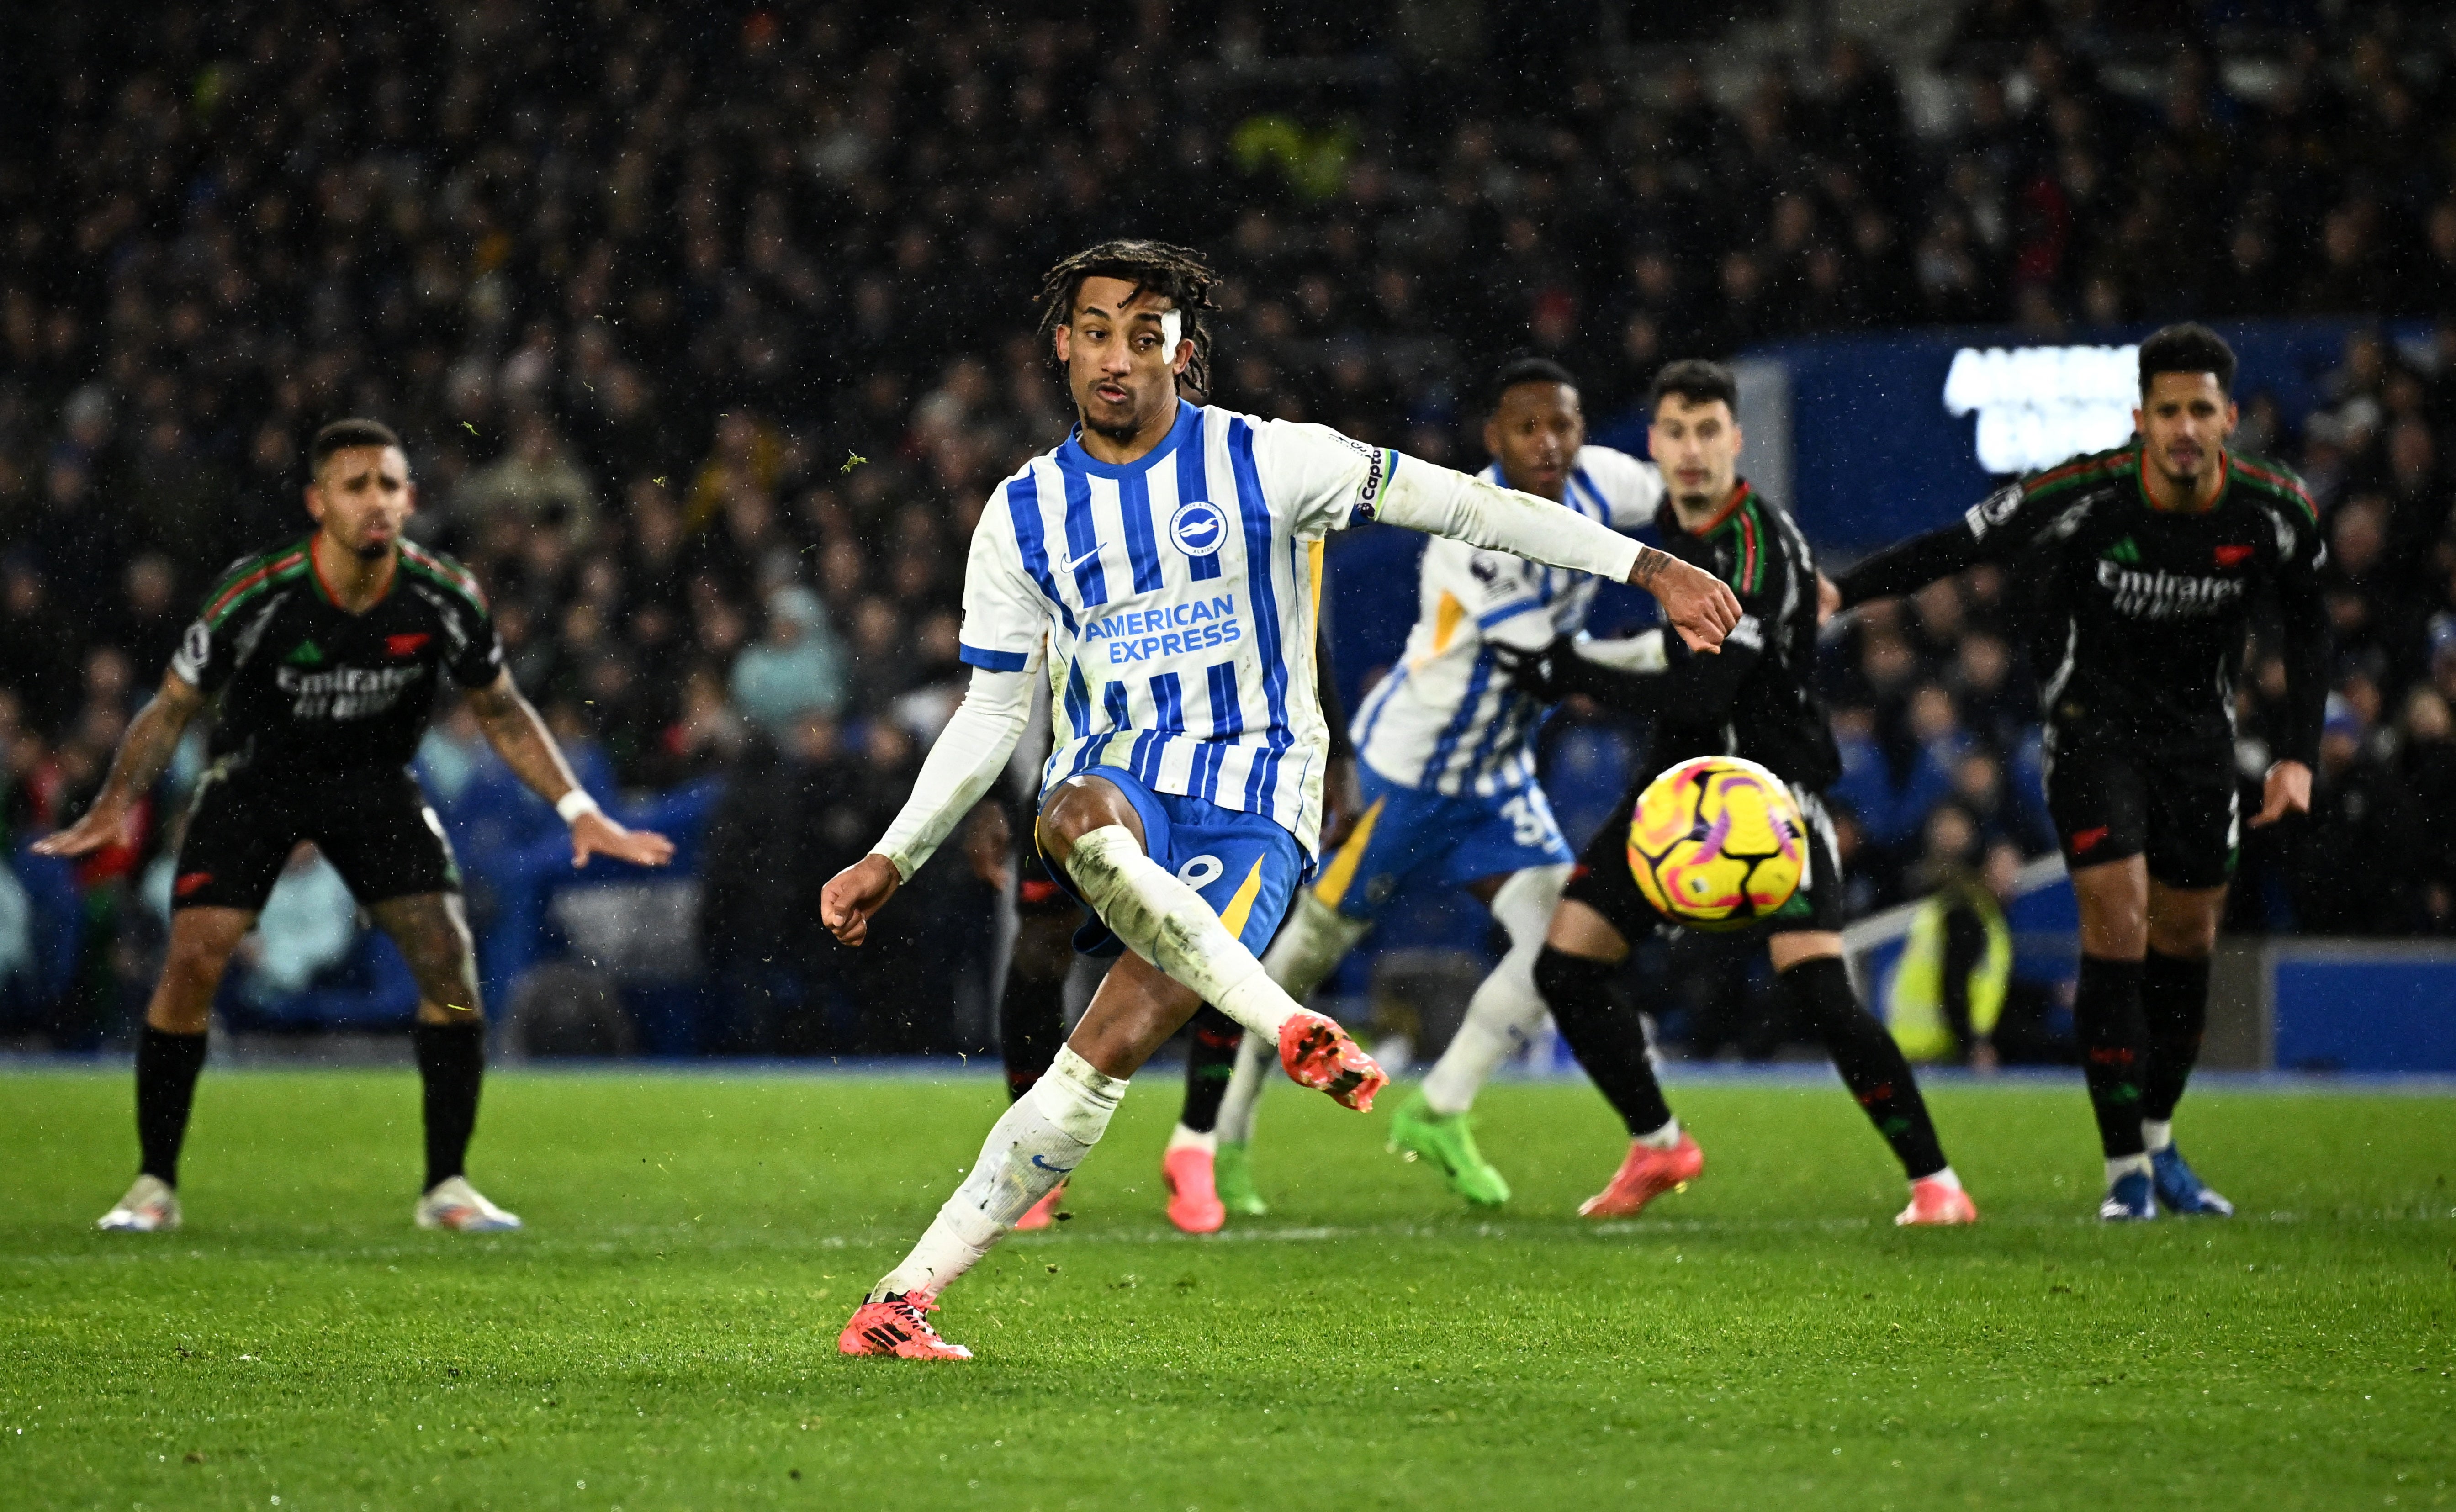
(575, 803)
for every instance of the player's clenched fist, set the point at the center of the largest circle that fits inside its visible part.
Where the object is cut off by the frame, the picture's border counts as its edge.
(1698, 604)
(855, 893)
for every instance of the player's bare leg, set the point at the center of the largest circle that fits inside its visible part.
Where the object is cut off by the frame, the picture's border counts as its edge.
(433, 934)
(170, 1053)
(2181, 935)
(1808, 963)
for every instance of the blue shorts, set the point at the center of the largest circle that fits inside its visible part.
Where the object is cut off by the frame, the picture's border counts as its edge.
(1246, 866)
(1409, 833)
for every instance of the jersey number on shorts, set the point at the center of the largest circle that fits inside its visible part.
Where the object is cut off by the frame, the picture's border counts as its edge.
(1200, 872)
(1526, 822)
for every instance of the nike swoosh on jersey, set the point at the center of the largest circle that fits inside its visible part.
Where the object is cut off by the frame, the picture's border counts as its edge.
(1084, 558)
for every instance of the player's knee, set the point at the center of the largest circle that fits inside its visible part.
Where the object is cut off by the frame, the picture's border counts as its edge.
(2189, 936)
(1079, 806)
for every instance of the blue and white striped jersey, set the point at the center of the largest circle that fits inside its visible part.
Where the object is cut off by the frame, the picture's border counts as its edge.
(1445, 719)
(1177, 596)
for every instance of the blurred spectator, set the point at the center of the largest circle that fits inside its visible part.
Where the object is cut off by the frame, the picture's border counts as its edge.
(716, 314)
(536, 482)
(1944, 997)
(2355, 861)
(794, 668)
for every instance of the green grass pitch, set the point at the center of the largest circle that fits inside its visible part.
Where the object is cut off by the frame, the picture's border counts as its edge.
(663, 1335)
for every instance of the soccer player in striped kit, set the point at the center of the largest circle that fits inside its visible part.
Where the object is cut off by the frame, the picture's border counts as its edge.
(1447, 773)
(1161, 568)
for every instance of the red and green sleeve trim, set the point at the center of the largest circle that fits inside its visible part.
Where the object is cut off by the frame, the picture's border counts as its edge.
(1746, 525)
(252, 580)
(2276, 481)
(445, 571)
(2081, 471)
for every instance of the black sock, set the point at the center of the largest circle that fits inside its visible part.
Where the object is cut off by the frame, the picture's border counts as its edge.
(165, 1084)
(1609, 1041)
(1031, 1025)
(2175, 1010)
(1872, 1065)
(2114, 1041)
(451, 1062)
(1210, 1060)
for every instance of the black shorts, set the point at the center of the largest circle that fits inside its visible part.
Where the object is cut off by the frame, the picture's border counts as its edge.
(375, 828)
(1602, 881)
(2111, 800)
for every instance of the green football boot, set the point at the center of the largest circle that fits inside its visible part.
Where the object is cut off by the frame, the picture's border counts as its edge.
(1448, 1141)
(1231, 1176)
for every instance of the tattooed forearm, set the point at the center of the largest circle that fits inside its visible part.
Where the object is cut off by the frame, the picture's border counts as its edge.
(1649, 567)
(522, 739)
(152, 736)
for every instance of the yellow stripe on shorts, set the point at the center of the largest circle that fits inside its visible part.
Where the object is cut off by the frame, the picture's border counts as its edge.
(1240, 906)
(1341, 871)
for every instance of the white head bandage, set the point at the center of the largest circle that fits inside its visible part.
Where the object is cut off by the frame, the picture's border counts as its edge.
(1172, 329)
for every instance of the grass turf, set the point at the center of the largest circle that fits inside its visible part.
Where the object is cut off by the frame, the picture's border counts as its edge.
(665, 1335)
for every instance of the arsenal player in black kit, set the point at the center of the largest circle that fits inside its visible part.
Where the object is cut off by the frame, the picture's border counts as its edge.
(326, 657)
(1754, 701)
(2152, 560)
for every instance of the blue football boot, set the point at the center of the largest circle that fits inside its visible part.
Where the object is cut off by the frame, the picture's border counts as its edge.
(2131, 1199)
(2181, 1189)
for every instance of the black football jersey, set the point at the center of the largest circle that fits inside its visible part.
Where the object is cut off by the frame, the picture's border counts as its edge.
(2143, 612)
(1754, 699)
(305, 687)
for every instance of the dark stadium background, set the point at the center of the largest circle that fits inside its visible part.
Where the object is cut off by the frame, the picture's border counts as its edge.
(708, 331)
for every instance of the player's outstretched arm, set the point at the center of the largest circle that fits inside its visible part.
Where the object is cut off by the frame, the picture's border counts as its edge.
(1993, 529)
(528, 749)
(1902, 569)
(143, 756)
(1423, 496)
(968, 755)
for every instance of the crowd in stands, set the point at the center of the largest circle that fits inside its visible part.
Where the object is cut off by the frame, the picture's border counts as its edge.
(710, 333)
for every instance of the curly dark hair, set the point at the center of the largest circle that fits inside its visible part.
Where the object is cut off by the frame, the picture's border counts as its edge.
(1180, 276)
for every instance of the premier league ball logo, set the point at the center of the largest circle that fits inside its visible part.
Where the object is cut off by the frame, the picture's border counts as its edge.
(1198, 527)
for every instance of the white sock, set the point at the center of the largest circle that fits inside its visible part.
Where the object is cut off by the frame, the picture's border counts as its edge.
(2157, 1133)
(1206, 1141)
(1505, 1011)
(1256, 1060)
(1316, 939)
(1040, 1137)
(1167, 923)
(1667, 1137)
(1951, 1182)
(2122, 1165)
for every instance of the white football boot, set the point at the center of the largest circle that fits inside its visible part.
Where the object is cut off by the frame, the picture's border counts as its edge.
(455, 1204)
(149, 1207)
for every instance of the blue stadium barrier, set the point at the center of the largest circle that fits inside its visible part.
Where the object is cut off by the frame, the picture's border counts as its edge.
(2361, 1006)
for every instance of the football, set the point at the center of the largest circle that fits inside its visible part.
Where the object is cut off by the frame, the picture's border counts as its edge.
(1717, 843)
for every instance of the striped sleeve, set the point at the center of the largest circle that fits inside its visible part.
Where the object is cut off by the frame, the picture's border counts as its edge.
(474, 648)
(208, 652)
